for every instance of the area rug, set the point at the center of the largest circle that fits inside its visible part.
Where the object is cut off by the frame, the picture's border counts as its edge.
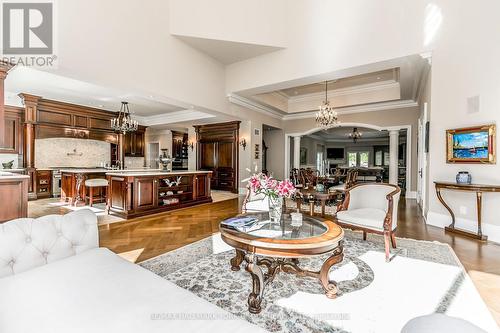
(375, 296)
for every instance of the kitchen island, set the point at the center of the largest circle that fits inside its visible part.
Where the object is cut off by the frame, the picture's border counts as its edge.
(138, 193)
(73, 188)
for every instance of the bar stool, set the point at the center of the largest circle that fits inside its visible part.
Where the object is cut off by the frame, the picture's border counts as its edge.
(97, 183)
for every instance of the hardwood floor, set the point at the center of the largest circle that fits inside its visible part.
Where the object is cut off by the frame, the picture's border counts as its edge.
(146, 237)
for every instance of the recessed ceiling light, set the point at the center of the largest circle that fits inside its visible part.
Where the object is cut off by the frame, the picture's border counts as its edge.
(378, 77)
(295, 92)
(100, 105)
(151, 96)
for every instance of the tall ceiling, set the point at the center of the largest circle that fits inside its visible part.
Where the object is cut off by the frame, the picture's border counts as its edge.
(392, 84)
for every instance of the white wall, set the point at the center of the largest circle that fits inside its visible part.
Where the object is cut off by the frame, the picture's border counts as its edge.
(253, 22)
(127, 45)
(465, 65)
(276, 153)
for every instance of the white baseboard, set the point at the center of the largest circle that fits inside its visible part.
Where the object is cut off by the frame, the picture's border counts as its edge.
(411, 194)
(442, 220)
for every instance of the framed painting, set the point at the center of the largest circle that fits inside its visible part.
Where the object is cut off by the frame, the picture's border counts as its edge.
(471, 145)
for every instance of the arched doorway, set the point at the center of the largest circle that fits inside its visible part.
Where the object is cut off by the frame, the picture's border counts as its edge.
(292, 156)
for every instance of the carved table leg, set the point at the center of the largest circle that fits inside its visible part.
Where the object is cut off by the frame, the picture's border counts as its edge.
(255, 297)
(330, 287)
(79, 180)
(479, 196)
(438, 193)
(237, 260)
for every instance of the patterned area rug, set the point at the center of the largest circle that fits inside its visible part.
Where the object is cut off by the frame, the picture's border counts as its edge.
(374, 296)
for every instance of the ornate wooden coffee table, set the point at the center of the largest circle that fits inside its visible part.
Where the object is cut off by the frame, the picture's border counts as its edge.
(278, 247)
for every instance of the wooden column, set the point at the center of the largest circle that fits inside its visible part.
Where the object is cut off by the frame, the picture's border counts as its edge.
(4, 69)
(30, 110)
(121, 151)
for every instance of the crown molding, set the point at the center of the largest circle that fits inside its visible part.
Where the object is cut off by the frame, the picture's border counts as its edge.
(249, 104)
(366, 88)
(252, 105)
(173, 117)
(393, 105)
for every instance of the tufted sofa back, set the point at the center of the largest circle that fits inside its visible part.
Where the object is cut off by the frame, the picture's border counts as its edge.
(28, 243)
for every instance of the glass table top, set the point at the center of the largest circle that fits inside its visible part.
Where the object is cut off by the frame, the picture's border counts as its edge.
(286, 229)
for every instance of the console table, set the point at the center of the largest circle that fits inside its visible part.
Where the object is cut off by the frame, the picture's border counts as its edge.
(478, 189)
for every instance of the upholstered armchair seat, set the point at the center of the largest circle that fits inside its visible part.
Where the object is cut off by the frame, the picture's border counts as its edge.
(372, 207)
(370, 218)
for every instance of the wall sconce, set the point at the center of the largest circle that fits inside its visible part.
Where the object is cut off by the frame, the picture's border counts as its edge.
(243, 143)
(191, 145)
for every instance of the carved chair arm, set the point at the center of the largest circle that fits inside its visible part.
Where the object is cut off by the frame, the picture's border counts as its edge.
(390, 209)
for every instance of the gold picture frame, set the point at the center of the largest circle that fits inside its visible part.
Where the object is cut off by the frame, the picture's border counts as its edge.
(471, 145)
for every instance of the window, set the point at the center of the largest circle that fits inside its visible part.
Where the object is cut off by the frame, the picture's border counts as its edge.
(358, 159)
(378, 157)
(363, 159)
(352, 159)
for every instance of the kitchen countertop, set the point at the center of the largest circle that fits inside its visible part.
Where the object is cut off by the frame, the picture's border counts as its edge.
(13, 176)
(131, 173)
(13, 170)
(103, 170)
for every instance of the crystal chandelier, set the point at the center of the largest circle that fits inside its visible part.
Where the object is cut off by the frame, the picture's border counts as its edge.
(355, 135)
(326, 116)
(124, 123)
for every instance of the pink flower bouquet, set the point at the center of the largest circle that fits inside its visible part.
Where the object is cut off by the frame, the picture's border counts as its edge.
(273, 188)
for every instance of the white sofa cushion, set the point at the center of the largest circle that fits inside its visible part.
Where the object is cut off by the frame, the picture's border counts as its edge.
(98, 291)
(27, 243)
(370, 218)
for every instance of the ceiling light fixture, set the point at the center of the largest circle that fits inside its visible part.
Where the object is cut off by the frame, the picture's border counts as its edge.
(326, 116)
(124, 122)
(355, 135)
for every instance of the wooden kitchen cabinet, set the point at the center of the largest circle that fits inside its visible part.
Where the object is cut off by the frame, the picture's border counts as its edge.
(218, 152)
(146, 196)
(43, 184)
(134, 143)
(14, 194)
(13, 133)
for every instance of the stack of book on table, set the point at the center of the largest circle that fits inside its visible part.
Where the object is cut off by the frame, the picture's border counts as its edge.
(242, 223)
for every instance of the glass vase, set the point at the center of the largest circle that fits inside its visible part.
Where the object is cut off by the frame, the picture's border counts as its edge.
(275, 209)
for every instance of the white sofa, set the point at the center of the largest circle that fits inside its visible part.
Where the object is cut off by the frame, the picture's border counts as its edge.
(54, 278)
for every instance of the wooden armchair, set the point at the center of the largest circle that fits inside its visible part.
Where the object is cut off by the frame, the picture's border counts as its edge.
(372, 207)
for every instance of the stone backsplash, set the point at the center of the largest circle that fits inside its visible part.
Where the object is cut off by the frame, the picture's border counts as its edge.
(60, 152)
(134, 162)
